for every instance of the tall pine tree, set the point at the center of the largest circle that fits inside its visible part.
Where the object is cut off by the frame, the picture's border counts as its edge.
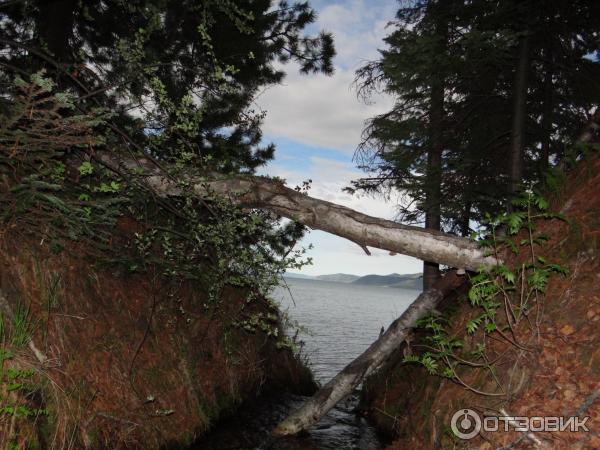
(488, 96)
(147, 57)
(406, 146)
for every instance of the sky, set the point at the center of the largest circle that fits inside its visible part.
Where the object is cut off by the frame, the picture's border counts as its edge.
(316, 122)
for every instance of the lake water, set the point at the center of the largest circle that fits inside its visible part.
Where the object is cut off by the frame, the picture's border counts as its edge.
(342, 319)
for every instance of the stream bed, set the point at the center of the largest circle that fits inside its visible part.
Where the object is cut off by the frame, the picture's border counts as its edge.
(341, 429)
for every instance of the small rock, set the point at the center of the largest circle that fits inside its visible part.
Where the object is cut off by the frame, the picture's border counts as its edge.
(567, 330)
(569, 394)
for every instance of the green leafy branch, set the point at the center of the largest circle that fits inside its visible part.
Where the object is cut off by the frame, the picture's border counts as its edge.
(502, 297)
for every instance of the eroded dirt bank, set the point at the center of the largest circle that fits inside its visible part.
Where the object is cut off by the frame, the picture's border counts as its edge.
(554, 370)
(121, 360)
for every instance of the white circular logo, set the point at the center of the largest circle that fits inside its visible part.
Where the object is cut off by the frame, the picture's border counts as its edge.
(466, 423)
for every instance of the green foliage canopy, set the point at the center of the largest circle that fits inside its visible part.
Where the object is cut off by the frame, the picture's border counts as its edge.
(171, 82)
(477, 64)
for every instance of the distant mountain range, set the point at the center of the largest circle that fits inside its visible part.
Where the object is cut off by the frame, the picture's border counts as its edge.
(395, 280)
(338, 278)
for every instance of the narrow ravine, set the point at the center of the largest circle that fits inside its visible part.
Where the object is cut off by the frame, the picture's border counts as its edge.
(337, 322)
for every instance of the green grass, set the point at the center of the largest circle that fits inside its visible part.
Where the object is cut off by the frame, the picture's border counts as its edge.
(18, 332)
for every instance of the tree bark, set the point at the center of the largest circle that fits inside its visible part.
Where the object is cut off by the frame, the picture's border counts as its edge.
(55, 21)
(515, 171)
(431, 270)
(465, 220)
(433, 183)
(366, 231)
(547, 113)
(371, 359)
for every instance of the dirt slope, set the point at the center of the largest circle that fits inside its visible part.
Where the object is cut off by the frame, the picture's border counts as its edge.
(129, 361)
(555, 373)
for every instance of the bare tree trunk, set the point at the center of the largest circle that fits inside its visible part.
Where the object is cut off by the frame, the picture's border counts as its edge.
(515, 171)
(364, 230)
(465, 228)
(371, 359)
(55, 21)
(431, 270)
(433, 183)
(431, 273)
(547, 113)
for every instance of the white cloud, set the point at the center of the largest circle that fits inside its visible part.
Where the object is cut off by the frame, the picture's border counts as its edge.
(323, 111)
(358, 28)
(318, 110)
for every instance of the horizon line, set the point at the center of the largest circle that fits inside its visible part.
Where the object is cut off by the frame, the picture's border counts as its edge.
(352, 274)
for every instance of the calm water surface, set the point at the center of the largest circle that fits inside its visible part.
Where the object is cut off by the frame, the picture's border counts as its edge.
(342, 319)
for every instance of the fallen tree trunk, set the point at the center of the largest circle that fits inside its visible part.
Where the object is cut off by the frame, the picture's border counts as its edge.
(372, 358)
(273, 195)
(366, 231)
